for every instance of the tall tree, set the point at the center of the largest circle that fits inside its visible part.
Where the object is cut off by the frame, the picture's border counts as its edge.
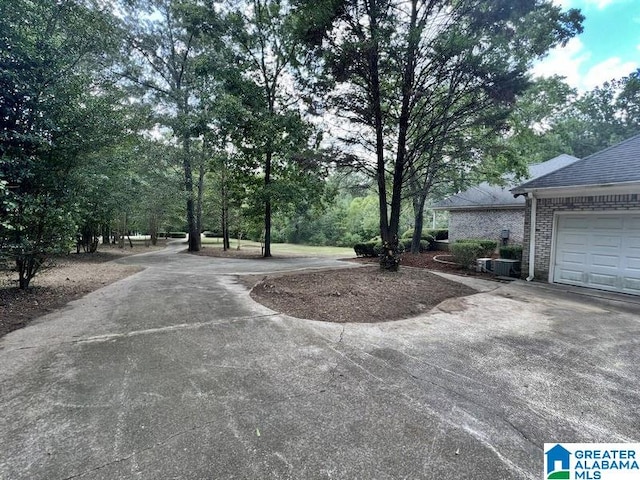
(414, 76)
(551, 118)
(163, 52)
(275, 129)
(53, 110)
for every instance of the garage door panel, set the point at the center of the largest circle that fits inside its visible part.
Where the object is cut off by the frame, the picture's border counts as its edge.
(632, 223)
(574, 222)
(566, 275)
(606, 223)
(601, 280)
(632, 242)
(606, 241)
(598, 251)
(573, 258)
(575, 240)
(598, 260)
(631, 285)
(633, 264)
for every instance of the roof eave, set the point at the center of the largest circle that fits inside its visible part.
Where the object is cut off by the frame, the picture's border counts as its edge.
(510, 206)
(573, 190)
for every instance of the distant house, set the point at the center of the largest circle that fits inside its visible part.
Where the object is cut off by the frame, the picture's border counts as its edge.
(485, 211)
(582, 222)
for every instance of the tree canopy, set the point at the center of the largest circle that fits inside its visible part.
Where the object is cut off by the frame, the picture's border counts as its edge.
(332, 121)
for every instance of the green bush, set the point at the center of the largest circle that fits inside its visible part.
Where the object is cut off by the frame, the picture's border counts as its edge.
(368, 249)
(430, 241)
(349, 240)
(513, 252)
(489, 246)
(407, 234)
(466, 253)
(209, 234)
(437, 233)
(177, 235)
(425, 245)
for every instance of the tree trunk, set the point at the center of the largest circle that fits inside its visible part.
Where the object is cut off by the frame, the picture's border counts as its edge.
(391, 246)
(267, 206)
(226, 243)
(194, 234)
(123, 230)
(153, 229)
(106, 234)
(418, 218)
(201, 172)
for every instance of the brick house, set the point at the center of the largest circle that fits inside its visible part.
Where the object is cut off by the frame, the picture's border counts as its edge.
(582, 222)
(485, 210)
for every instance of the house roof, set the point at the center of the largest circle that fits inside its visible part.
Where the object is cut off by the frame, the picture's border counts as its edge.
(486, 195)
(618, 164)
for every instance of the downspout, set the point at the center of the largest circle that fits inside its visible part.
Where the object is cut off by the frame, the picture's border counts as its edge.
(532, 238)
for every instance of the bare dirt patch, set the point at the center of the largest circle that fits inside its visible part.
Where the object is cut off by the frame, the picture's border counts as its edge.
(68, 277)
(364, 295)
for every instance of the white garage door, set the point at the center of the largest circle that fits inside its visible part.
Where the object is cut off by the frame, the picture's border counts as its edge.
(598, 251)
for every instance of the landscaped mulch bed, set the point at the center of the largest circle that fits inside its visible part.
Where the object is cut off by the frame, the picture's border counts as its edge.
(426, 260)
(73, 276)
(364, 294)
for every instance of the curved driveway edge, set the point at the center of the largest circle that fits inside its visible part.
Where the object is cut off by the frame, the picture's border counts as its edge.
(176, 373)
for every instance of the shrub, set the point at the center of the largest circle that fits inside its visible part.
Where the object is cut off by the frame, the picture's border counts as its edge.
(430, 241)
(368, 249)
(407, 234)
(209, 234)
(349, 240)
(177, 235)
(425, 245)
(489, 246)
(513, 252)
(466, 253)
(437, 233)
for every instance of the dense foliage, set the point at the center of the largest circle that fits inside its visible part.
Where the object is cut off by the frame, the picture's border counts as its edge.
(333, 122)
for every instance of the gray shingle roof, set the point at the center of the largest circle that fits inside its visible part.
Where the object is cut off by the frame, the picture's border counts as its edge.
(617, 164)
(486, 195)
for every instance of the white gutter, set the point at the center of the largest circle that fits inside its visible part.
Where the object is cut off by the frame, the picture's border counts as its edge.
(581, 190)
(532, 237)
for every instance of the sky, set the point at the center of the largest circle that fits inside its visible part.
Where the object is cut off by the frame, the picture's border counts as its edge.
(608, 48)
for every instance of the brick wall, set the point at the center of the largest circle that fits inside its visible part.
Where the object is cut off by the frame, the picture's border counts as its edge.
(544, 223)
(486, 224)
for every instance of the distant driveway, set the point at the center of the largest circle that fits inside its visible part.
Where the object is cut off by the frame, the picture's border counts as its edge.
(175, 373)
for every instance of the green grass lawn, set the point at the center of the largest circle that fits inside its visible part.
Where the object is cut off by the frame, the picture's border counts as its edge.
(283, 248)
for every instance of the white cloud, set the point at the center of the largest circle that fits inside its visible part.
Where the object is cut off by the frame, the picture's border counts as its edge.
(607, 70)
(573, 59)
(564, 61)
(599, 4)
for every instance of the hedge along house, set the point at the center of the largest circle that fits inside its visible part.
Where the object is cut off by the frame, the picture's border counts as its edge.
(582, 222)
(486, 211)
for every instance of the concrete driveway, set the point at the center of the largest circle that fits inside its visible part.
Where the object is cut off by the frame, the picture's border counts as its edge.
(175, 373)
